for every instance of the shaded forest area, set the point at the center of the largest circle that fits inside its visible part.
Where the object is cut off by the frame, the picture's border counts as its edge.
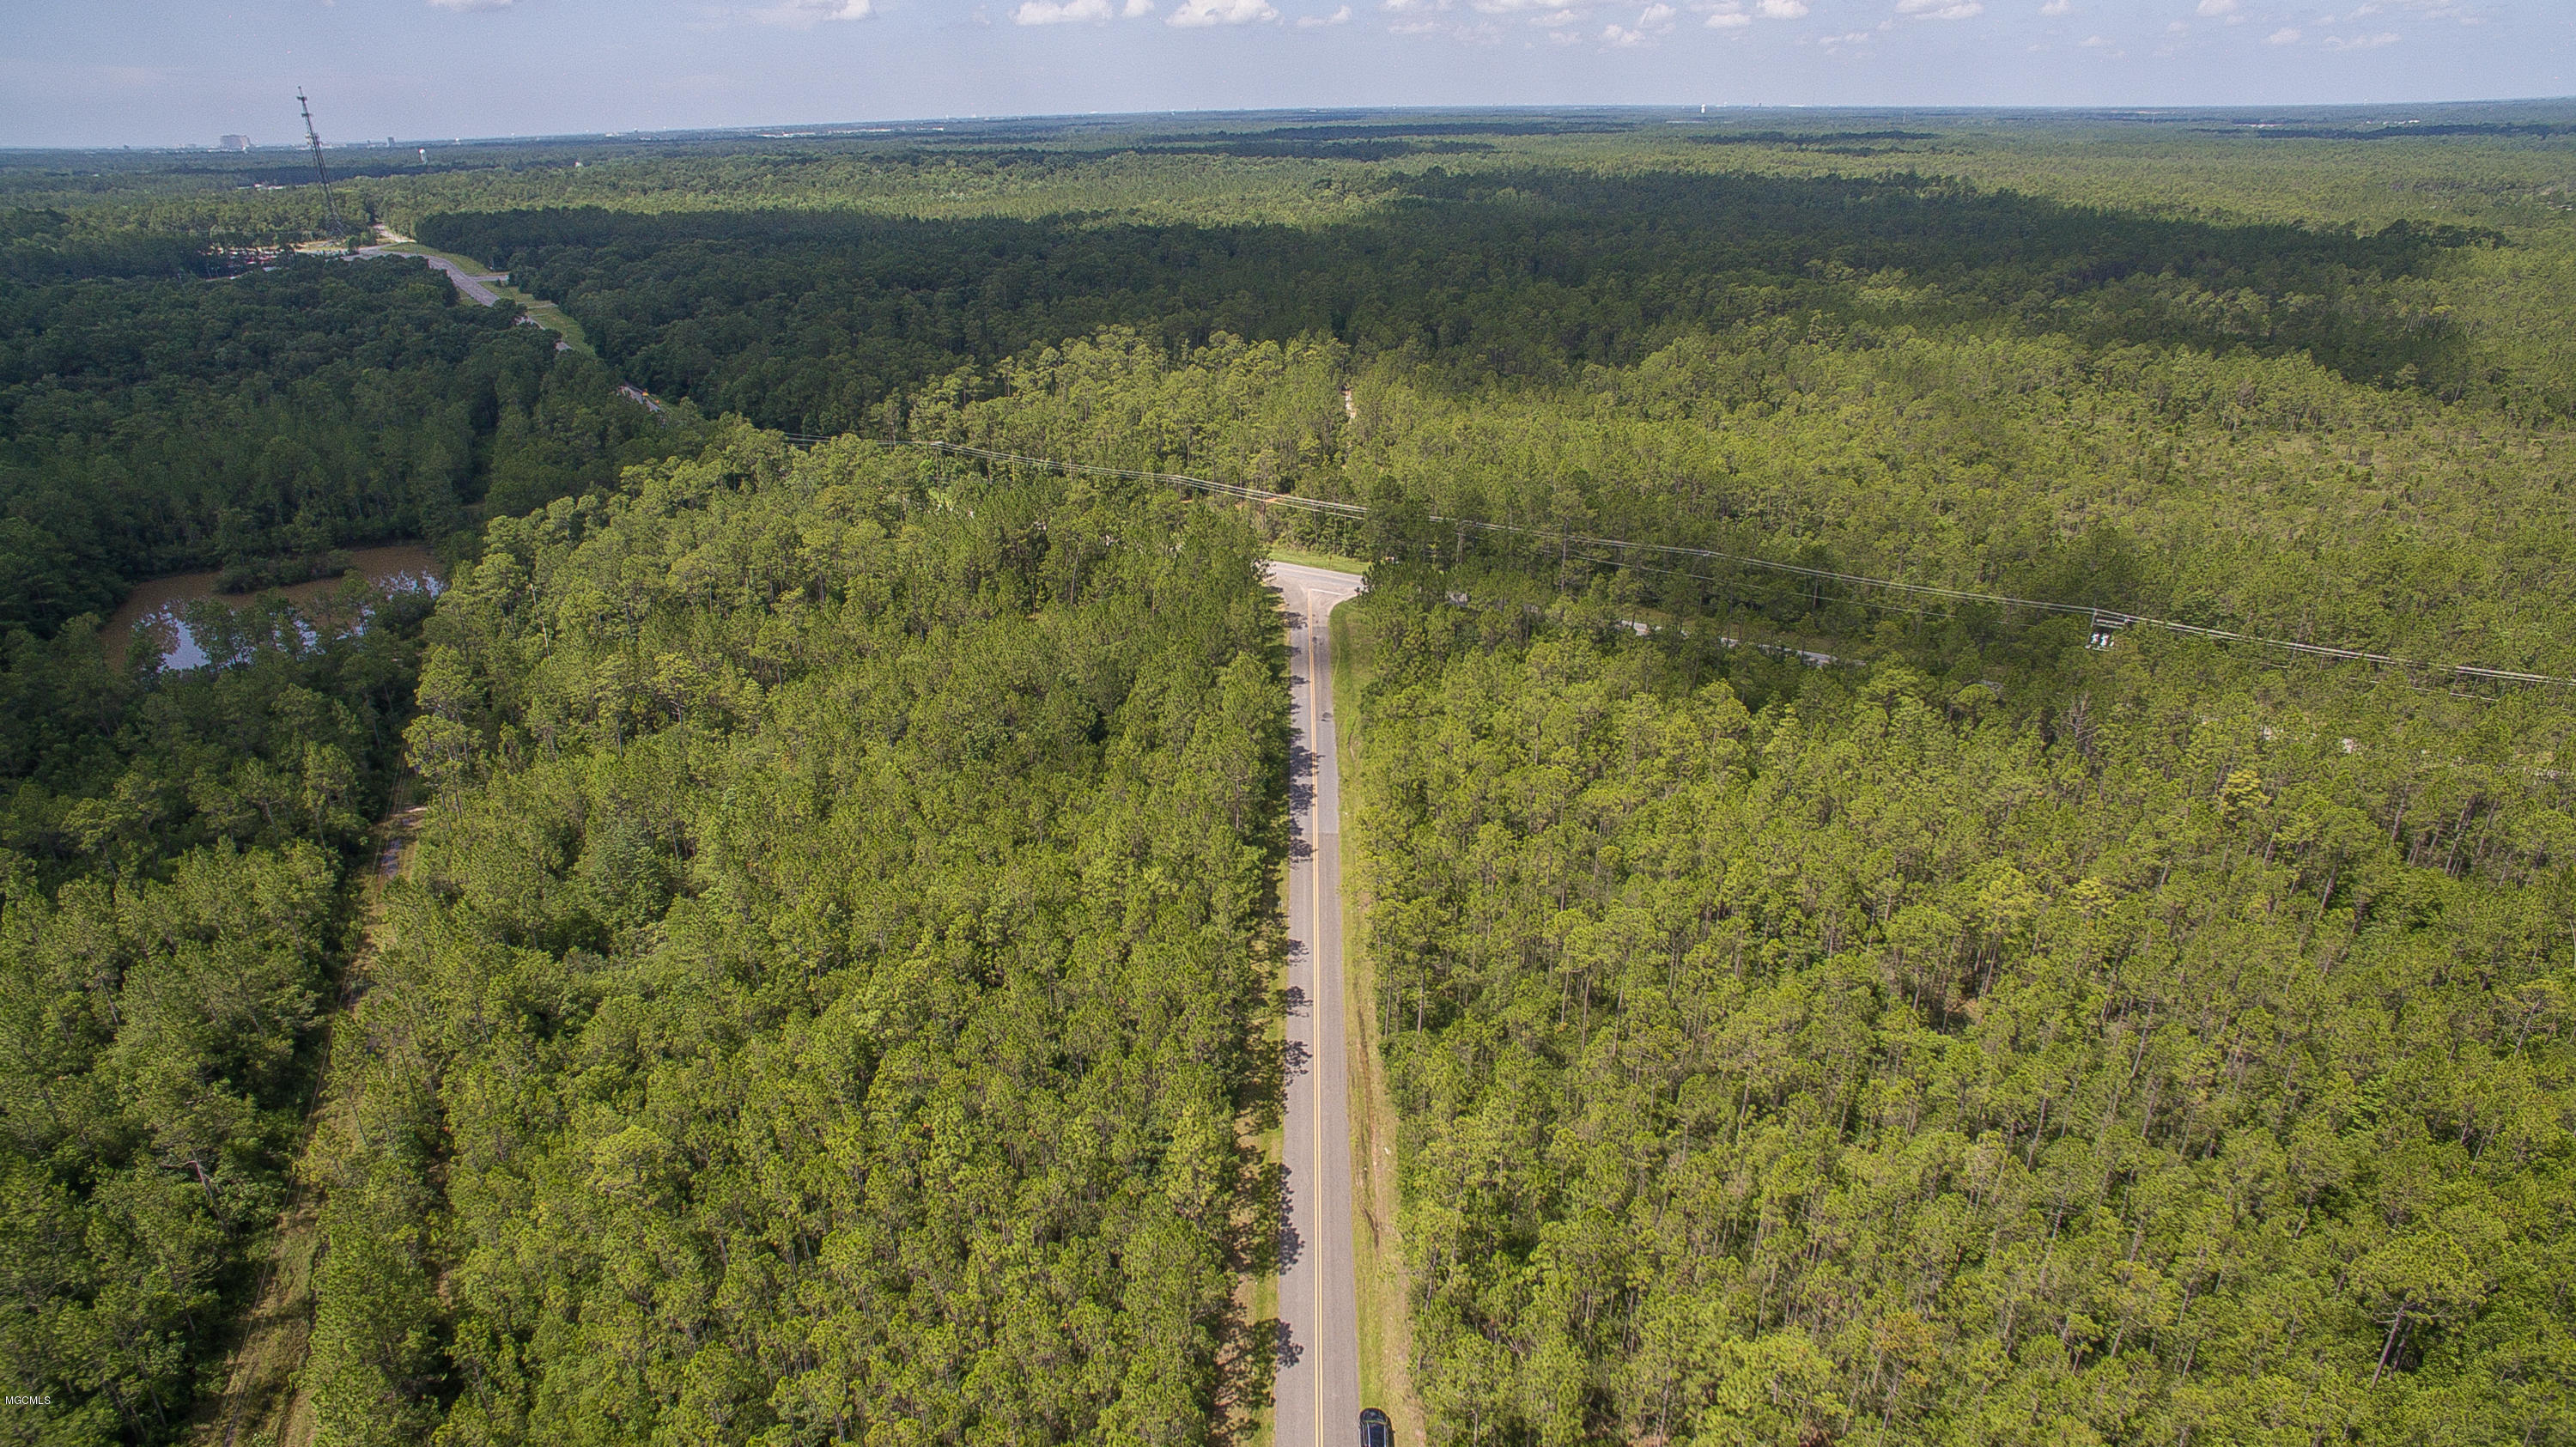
(256, 422)
(831, 997)
(41, 245)
(812, 321)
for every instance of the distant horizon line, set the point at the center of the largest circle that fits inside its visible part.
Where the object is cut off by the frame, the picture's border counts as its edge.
(849, 129)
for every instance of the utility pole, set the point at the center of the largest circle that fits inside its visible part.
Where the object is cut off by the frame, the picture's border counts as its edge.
(331, 224)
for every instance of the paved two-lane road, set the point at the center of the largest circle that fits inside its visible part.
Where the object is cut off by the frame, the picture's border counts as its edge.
(1318, 1393)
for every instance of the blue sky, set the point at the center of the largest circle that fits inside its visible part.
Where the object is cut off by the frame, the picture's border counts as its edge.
(162, 72)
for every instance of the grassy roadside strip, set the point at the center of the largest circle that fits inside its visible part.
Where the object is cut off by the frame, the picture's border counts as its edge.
(1309, 559)
(1254, 1422)
(1384, 1281)
(1262, 1292)
(1257, 1295)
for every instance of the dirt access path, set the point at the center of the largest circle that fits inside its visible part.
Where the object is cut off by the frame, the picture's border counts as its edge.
(262, 1404)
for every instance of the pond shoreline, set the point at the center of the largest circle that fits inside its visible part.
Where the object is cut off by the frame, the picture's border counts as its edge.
(158, 600)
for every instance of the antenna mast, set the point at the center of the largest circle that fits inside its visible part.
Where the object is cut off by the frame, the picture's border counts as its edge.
(331, 223)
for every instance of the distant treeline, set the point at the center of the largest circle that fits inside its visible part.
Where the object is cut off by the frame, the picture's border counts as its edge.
(811, 320)
(1809, 138)
(2387, 133)
(40, 246)
(1321, 150)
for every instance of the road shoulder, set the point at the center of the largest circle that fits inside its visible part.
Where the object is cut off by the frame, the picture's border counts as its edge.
(1377, 1240)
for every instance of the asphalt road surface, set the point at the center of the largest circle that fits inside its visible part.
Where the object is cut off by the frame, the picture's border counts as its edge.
(1317, 1401)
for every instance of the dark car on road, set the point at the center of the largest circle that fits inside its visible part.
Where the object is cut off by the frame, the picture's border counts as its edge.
(1375, 1429)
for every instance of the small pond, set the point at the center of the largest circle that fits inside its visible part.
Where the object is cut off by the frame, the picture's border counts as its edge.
(158, 603)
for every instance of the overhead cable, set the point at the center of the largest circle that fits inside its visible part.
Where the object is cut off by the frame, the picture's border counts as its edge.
(2103, 618)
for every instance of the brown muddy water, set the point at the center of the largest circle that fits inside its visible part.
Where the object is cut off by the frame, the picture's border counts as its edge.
(158, 601)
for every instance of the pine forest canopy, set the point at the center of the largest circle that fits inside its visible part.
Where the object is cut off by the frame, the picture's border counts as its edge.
(151, 426)
(835, 991)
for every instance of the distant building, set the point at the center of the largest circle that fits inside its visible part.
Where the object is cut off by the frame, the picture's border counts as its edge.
(233, 143)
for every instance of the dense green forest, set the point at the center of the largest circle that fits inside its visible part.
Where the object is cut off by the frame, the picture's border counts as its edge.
(811, 321)
(177, 848)
(834, 991)
(172, 850)
(2264, 493)
(2245, 422)
(259, 421)
(2154, 1062)
(831, 995)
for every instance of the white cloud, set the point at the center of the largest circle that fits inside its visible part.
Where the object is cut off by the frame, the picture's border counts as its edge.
(804, 14)
(2215, 8)
(1783, 9)
(1656, 19)
(1729, 20)
(2362, 42)
(2286, 35)
(1940, 9)
(2057, 7)
(471, 4)
(1193, 13)
(1060, 12)
(1304, 22)
(1138, 9)
(2177, 28)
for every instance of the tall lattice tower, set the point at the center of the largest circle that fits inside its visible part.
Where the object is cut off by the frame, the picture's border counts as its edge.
(331, 223)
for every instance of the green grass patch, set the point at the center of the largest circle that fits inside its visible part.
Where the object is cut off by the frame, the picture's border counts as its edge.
(1335, 561)
(1377, 1245)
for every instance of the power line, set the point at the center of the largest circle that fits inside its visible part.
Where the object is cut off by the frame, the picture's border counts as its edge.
(1325, 506)
(2101, 616)
(2104, 619)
